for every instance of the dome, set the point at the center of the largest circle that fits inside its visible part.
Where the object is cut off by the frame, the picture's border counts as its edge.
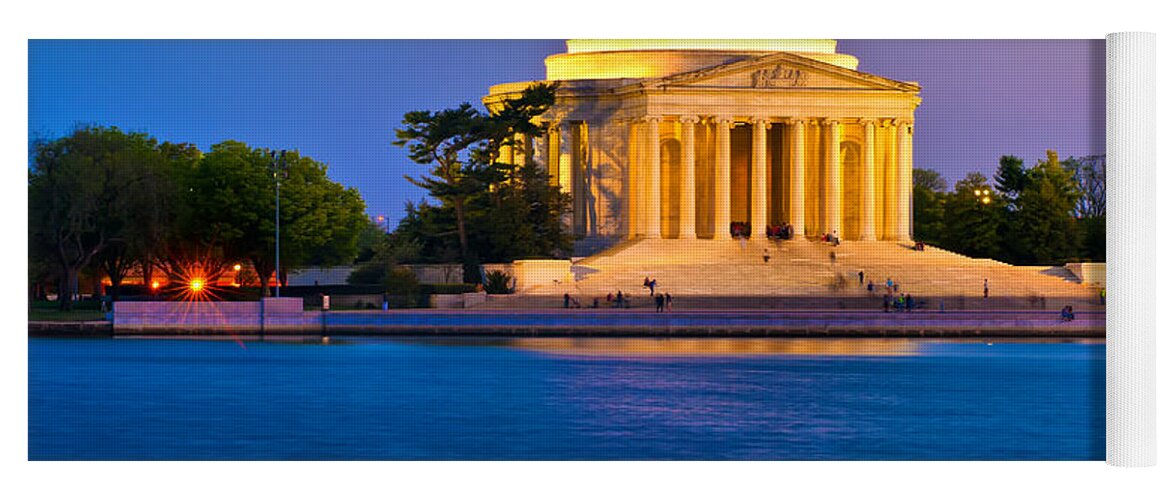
(599, 59)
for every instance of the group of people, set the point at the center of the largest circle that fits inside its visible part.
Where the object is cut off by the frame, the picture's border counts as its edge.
(899, 303)
(831, 238)
(619, 301)
(783, 231)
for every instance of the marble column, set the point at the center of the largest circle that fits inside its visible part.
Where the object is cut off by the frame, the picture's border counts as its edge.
(687, 180)
(797, 179)
(889, 205)
(759, 220)
(654, 180)
(722, 204)
(903, 217)
(633, 179)
(867, 230)
(553, 153)
(833, 178)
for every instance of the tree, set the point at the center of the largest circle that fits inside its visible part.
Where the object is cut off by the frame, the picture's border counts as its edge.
(438, 140)
(231, 205)
(929, 192)
(974, 215)
(1011, 179)
(461, 148)
(81, 197)
(1045, 224)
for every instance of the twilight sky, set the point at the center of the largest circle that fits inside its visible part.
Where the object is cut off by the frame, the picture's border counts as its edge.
(339, 101)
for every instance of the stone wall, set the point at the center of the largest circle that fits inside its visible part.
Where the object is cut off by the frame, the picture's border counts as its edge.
(272, 314)
(1090, 273)
(438, 274)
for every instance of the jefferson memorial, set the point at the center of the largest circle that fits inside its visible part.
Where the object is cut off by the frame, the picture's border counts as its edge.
(685, 139)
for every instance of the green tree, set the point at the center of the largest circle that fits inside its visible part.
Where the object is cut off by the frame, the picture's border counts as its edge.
(974, 215)
(231, 199)
(460, 147)
(929, 192)
(81, 199)
(1011, 178)
(441, 141)
(1045, 224)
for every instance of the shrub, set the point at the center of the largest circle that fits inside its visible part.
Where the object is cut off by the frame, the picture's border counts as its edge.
(498, 282)
(401, 281)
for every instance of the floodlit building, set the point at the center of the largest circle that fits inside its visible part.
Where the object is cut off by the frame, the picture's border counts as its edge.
(687, 138)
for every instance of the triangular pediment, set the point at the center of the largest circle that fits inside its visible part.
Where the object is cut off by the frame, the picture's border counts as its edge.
(781, 70)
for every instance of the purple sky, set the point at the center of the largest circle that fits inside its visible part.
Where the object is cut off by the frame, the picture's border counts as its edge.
(339, 101)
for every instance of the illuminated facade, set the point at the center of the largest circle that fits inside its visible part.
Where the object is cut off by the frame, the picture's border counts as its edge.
(682, 139)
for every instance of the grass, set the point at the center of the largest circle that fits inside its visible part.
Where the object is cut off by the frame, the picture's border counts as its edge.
(55, 315)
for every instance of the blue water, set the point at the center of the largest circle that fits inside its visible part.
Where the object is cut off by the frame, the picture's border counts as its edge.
(566, 399)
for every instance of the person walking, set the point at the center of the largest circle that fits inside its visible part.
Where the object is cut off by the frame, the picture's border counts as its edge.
(861, 277)
(659, 301)
(668, 299)
(565, 301)
(985, 287)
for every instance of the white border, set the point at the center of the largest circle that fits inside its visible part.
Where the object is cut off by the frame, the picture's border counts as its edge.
(1130, 157)
(517, 19)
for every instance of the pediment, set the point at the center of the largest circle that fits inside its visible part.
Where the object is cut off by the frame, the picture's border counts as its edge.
(781, 70)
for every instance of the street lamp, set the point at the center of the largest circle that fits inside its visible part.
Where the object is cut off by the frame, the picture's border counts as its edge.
(279, 171)
(383, 223)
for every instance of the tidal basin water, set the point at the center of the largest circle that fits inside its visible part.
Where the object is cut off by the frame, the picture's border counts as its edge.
(564, 399)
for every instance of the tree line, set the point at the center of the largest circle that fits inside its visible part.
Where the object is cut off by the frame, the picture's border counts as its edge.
(1048, 214)
(104, 201)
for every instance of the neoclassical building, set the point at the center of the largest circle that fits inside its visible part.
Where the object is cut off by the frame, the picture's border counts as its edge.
(681, 139)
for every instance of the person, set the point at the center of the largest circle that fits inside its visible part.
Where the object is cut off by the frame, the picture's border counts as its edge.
(595, 306)
(886, 299)
(668, 302)
(565, 301)
(861, 277)
(652, 286)
(833, 257)
(889, 282)
(385, 302)
(619, 300)
(766, 256)
(985, 287)
(910, 303)
(609, 297)
(659, 302)
(1067, 313)
(870, 286)
(1102, 296)
(896, 287)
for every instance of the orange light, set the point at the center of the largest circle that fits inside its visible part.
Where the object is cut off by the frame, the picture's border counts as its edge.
(196, 284)
(154, 285)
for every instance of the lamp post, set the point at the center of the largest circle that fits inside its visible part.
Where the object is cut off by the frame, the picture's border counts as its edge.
(382, 224)
(279, 171)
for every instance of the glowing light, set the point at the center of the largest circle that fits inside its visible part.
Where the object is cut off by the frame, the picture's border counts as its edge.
(154, 285)
(733, 45)
(977, 192)
(986, 200)
(236, 268)
(196, 285)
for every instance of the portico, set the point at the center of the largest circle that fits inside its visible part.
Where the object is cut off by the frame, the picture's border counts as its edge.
(734, 137)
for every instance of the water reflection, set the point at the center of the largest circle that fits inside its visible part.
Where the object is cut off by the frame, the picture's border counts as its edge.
(692, 347)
